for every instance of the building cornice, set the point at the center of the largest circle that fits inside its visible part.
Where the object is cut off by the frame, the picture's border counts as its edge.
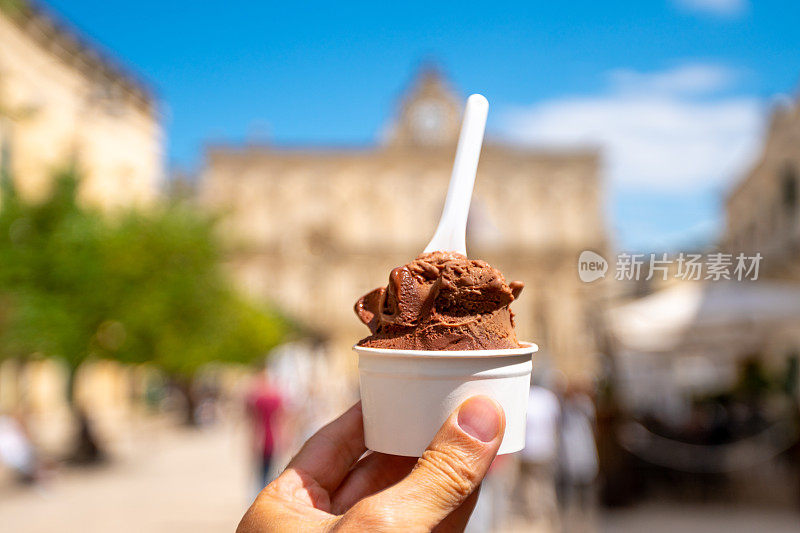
(57, 38)
(246, 153)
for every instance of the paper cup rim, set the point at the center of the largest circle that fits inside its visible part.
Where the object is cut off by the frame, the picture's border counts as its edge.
(524, 349)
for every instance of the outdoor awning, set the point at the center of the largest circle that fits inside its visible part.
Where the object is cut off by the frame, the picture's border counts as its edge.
(694, 312)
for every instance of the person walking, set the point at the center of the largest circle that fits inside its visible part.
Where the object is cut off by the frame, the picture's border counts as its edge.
(536, 488)
(264, 406)
(17, 450)
(578, 459)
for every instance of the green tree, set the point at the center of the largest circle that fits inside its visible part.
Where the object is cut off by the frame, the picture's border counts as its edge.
(137, 287)
(14, 6)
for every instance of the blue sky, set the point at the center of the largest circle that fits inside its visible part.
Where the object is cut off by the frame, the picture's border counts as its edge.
(675, 91)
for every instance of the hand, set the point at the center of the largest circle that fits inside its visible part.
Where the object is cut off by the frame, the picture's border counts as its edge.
(326, 487)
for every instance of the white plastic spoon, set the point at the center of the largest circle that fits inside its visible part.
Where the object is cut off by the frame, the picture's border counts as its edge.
(451, 234)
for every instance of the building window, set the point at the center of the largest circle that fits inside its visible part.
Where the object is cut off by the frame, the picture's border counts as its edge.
(789, 189)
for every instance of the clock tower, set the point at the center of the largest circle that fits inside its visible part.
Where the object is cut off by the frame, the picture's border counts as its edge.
(429, 114)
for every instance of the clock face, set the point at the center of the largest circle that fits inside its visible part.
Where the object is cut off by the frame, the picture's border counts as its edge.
(429, 121)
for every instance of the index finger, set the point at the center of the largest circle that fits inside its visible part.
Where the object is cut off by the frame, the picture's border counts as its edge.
(328, 455)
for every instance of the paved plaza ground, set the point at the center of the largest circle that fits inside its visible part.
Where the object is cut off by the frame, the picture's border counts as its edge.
(177, 480)
(655, 518)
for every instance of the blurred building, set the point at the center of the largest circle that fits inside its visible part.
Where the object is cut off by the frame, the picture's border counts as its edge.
(706, 370)
(314, 228)
(763, 210)
(64, 102)
(763, 216)
(694, 337)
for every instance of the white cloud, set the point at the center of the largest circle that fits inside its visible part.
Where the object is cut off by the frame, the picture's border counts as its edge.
(668, 131)
(685, 79)
(724, 8)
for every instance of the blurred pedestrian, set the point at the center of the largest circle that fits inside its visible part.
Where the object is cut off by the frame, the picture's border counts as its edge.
(264, 405)
(578, 452)
(536, 484)
(16, 450)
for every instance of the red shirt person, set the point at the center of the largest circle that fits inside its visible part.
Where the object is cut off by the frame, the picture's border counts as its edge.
(264, 404)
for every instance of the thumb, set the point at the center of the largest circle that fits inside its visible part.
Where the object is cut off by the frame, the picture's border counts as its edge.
(450, 469)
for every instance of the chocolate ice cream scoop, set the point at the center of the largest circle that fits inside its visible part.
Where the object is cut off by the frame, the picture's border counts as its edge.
(441, 301)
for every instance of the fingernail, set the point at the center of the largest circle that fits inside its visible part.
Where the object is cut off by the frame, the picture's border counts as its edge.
(479, 417)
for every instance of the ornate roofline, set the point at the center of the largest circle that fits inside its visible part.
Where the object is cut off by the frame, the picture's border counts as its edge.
(59, 38)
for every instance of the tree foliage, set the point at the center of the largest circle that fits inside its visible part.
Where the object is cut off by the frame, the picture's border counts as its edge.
(141, 286)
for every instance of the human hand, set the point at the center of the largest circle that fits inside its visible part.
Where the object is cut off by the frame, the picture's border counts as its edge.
(327, 488)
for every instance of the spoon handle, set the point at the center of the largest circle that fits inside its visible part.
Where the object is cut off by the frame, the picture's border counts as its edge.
(450, 235)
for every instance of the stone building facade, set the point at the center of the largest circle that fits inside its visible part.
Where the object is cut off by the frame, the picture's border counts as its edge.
(64, 103)
(763, 209)
(312, 229)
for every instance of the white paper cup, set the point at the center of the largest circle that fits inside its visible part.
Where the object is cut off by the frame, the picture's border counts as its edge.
(406, 395)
